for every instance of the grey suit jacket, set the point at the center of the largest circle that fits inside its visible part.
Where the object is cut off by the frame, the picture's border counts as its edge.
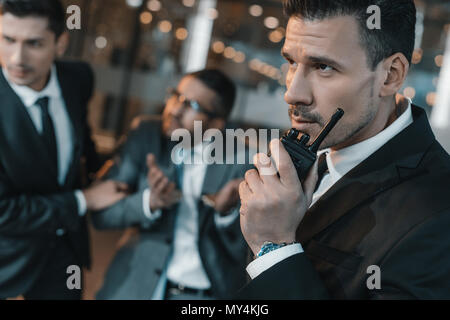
(137, 267)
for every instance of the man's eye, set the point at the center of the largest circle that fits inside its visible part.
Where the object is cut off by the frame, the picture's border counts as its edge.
(8, 40)
(325, 67)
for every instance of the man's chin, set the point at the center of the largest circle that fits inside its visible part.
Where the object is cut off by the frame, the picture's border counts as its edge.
(20, 81)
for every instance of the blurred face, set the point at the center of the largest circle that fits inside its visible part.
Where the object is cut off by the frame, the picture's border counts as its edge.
(329, 70)
(28, 49)
(177, 115)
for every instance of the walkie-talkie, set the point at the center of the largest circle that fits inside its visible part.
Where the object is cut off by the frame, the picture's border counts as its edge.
(303, 156)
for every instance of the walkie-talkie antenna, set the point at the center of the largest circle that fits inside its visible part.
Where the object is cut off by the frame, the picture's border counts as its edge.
(323, 134)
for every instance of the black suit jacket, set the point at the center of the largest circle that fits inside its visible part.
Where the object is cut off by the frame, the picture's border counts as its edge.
(32, 203)
(137, 267)
(392, 211)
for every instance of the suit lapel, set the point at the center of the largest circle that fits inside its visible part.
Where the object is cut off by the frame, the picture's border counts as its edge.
(395, 162)
(17, 121)
(74, 107)
(214, 179)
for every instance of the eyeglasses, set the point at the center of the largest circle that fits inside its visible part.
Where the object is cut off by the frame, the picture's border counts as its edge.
(193, 104)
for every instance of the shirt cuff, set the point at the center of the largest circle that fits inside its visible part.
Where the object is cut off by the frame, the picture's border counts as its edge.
(225, 221)
(146, 206)
(81, 201)
(270, 259)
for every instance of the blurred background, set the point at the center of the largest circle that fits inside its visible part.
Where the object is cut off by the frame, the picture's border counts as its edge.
(138, 48)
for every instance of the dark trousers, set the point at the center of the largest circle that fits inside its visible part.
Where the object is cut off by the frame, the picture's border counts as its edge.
(52, 283)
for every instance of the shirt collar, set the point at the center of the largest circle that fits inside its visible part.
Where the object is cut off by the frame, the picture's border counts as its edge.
(187, 156)
(340, 162)
(30, 96)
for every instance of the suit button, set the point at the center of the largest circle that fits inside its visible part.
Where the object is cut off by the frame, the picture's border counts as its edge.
(169, 240)
(158, 272)
(60, 232)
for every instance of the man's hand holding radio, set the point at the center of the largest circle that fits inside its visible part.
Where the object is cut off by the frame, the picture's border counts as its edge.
(273, 206)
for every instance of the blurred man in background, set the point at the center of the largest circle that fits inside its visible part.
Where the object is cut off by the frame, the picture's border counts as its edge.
(44, 142)
(186, 249)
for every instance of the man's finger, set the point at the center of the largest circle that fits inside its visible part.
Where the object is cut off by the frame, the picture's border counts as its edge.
(254, 181)
(244, 191)
(311, 181)
(162, 185)
(156, 181)
(169, 188)
(283, 162)
(122, 187)
(151, 161)
(266, 169)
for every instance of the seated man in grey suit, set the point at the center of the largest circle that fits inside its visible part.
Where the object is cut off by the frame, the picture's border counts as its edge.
(186, 248)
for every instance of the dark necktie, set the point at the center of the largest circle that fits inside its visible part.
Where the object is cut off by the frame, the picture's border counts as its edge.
(48, 130)
(179, 175)
(323, 169)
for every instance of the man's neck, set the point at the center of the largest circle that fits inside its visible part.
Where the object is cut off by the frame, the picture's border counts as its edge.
(386, 116)
(40, 84)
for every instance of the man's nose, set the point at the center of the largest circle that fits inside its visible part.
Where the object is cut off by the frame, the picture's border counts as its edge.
(19, 55)
(177, 108)
(298, 89)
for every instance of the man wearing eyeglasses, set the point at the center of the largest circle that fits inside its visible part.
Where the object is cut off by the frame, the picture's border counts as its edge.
(187, 248)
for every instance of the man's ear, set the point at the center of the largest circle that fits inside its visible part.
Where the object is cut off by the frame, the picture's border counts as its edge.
(395, 69)
(61, 44)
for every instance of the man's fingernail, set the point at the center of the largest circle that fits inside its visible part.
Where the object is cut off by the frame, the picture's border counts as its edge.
(264, 160)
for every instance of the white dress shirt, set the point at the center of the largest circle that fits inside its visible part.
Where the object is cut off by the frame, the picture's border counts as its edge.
(61, 122)
(185, 265)
(339, 163)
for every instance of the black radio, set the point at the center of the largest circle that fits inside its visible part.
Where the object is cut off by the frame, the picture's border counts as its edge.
(304, 156)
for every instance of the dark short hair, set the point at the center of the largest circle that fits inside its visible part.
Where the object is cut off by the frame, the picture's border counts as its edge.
(398, 23)
(222, 85)
(51, 9)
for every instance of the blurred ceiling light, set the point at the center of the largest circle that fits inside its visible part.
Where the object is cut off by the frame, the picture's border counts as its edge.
(229, 53)
(271, 22)
(154, 5)
(409, 92)
(212, 13)
(101, 42)
(254, 64)
(276, 36)
(431, 98)
(146, 17)
(134, 3)
(282, 30)
(165, 26)
(439, 60)
(189, 3)
(265, 68)
(218, 47)
(181, 34)
(255, 10)
(240, 57)
(417, 56)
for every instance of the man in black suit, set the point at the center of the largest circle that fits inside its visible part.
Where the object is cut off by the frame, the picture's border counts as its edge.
(45, 144)
(186, 248)
(376, 224)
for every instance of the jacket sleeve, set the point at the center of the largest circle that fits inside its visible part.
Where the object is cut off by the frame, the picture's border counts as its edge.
(92, 161)
(35, 214)
(417, 267)
(126, 167)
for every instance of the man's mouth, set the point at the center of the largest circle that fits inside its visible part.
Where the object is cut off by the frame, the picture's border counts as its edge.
(18, 71)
